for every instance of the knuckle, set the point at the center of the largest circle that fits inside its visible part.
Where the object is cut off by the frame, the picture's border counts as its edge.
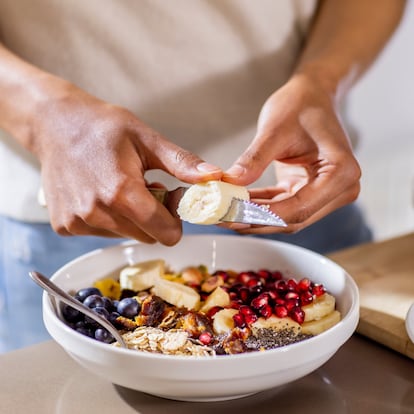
(112, 195)
(302, 213)
(64, 227)
(252, 159)
(353, 193)
(60, 230)
(71, 224)
(184, 156)
(354, 171)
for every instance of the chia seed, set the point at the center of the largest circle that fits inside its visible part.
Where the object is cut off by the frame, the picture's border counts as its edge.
(264, 339)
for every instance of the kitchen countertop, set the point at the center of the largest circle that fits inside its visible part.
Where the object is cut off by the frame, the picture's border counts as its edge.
(362, 377)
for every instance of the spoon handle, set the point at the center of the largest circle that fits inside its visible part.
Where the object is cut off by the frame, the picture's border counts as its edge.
(60, 294)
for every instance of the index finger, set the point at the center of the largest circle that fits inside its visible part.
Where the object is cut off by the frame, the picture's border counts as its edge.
(333, 190)
(142, 209)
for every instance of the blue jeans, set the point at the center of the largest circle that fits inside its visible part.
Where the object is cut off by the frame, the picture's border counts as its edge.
(29, 246)
(343, 228)
(25, 247)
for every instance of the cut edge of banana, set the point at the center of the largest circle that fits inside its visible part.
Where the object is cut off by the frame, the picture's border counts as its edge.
(207, 203)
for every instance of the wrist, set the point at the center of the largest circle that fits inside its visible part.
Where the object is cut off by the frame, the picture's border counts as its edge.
(45, 94)
(329, 78)
(24, 91)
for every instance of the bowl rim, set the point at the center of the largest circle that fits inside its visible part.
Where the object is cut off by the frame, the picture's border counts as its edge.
(409, 323)
(351, 318)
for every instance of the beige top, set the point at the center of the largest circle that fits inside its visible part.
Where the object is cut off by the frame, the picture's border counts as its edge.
(198, 71)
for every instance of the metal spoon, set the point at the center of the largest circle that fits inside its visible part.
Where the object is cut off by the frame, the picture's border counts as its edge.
(56, 291)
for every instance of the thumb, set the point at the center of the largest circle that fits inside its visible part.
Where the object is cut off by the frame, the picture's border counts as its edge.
(183, 164)
(250, 165)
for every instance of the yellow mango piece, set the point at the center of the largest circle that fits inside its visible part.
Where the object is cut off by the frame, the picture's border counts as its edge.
(109, 287)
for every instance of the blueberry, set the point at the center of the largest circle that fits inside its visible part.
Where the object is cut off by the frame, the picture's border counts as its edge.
(108, 304)
(103, 335)
(83, 329)
(94, 301)
(112, 318)
(85, 325)
(70, 314)
(100, 310)
(128, 307)
(82, 294)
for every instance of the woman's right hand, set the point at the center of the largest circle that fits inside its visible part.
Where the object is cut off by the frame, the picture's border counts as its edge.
(93, 158)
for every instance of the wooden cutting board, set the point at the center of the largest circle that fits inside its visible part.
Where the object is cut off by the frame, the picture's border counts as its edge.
(384, 273)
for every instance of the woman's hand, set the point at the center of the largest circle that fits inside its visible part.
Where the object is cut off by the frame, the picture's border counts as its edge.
(93, 158)
(299, 129)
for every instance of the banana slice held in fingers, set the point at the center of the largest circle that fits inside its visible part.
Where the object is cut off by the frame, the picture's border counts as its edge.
(207, 203)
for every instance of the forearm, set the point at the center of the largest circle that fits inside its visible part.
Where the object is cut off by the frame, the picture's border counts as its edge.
(345, 38)
(23, 89)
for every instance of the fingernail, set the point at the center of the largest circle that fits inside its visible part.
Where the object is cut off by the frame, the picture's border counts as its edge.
(206, 167)
(236, 171)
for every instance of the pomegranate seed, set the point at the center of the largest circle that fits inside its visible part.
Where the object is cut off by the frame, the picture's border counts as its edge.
(225, 275)
(304, 285)
(235, 304)
(291, 303)
(264, 274)
(244, 277)
(266, 311)
(239, 320)
(246, 310)
(205, 338)
(281, 311)
(280, 301)
(292, 295)
(272, 294)
(260, 301)
(253, 282)
(212, 311)
(256, 290)
(233, 295)
(291, 285)
(250, 318)
(306, 298)
(297, 314)
(244, 294)
(318, 290)
(281, 286)
(277, 275)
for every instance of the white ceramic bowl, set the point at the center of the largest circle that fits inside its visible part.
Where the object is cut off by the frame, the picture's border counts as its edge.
(207, 378)
(409, 322)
